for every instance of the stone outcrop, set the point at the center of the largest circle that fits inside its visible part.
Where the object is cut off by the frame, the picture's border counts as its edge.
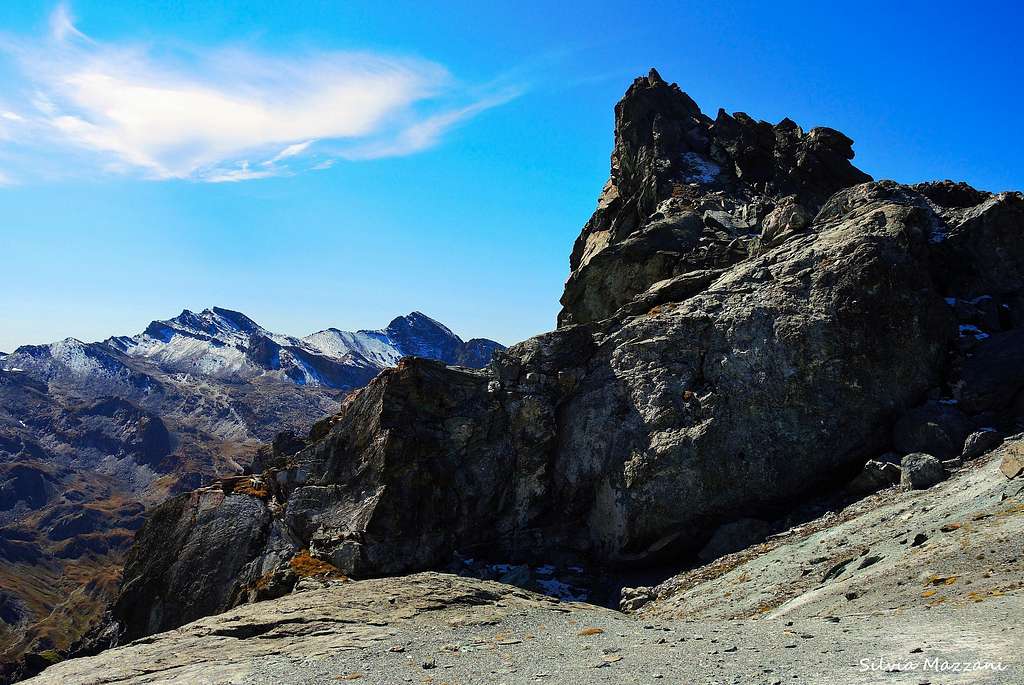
(747, 319)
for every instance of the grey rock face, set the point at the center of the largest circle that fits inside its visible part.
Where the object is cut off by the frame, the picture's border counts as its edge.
(921, 471)
(208, 529)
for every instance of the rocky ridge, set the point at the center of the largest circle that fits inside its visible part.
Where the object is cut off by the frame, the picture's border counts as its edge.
(747, 322)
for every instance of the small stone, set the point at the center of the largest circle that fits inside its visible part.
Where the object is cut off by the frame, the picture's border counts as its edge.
(1012, 465)
(980, 442)
(921, 471)
(632, 598)
(875, 476)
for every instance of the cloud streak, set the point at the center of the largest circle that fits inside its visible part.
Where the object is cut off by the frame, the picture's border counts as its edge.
(220, 114)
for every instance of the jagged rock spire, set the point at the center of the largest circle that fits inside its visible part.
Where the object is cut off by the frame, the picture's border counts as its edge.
(667, 149)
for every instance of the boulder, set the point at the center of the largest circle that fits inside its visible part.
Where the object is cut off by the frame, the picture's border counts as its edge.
(632, 598)
(980, 442)
(787, 218)
(978, 250)
(188, 559)
(875, 476)
(921, 471)
(1012, 464)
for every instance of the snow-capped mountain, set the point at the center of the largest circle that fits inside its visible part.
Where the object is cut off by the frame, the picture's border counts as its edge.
(224, 344)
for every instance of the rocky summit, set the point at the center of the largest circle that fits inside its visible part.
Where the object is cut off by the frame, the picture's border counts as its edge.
(754, 334)
(94, 434)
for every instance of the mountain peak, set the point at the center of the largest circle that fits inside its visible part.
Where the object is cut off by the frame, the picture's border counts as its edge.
(213, 322)
(418, 335)
(674, 164)
(238, 319)
(420, 320)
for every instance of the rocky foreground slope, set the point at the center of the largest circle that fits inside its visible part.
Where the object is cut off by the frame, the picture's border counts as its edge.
(92, 434)
(903, 581)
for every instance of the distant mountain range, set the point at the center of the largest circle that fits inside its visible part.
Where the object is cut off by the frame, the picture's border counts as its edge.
(227, 345)
(91, 434)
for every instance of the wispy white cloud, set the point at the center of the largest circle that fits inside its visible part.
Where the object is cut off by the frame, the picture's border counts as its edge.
(242, 173)
(221, 114)
(290, 151)
(62, 24)
(5, 180)
(425, 133)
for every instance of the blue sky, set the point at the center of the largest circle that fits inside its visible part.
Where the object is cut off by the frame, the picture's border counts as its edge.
(321, 164)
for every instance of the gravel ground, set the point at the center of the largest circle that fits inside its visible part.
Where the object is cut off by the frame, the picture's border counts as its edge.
(959, 542)
(436, 628)
(528, 647)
